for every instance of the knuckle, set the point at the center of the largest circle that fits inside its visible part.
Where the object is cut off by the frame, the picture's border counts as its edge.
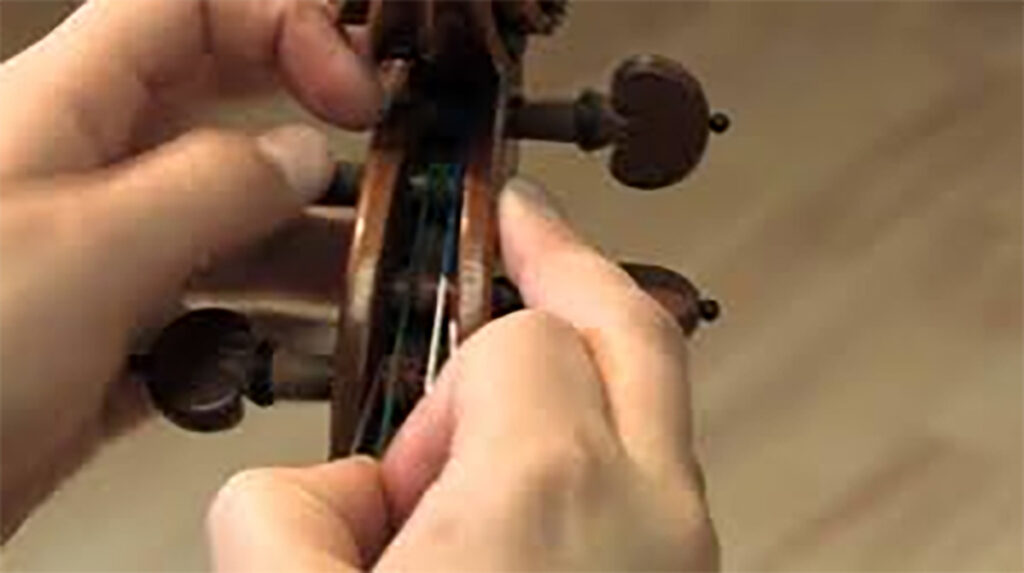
(533, 326)
(682, 473)
(699, 539)
(678, 500)
(684, 483)
(697, 542)
(243, 488)
(569, 462)
(209, 138)
(651, 327)
(217, 145)
(532, 320)
(210, 157)
(657, 319)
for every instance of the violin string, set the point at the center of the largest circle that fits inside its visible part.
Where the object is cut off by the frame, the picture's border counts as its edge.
(435, 333)
(394, 361)
(367, 411)
(449, 179)
(394, 367)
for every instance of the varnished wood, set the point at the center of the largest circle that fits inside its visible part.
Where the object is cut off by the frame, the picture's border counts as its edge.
(358, 310)
(477, 239)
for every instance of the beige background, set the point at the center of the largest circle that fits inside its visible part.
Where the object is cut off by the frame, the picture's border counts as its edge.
(860, 404)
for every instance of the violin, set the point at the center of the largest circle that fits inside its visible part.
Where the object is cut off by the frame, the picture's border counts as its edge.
(422, 273)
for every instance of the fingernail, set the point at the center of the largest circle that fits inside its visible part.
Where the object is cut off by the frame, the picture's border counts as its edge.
(302, 155)
(537, 196)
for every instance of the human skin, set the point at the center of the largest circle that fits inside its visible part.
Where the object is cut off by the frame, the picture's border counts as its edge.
(557, 438)
(103, 219)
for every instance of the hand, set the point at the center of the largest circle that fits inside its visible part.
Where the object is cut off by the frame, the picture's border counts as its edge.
(558, 438)
(103, 220)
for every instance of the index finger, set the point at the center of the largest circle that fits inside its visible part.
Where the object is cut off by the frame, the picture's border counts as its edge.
(98, 78)
(639, 349)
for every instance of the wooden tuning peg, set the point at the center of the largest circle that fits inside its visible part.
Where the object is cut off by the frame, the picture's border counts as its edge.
(656, 118)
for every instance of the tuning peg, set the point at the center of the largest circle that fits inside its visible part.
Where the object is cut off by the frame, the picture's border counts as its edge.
(656, 118)
(667, 122)
(673, 291)
(201, 366)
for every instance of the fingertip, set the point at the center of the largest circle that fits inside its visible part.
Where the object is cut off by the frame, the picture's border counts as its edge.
(360, 470)
(325, 71)
(531, 225)
(419, 452)
(329, 516)
(552, 266)
(302, 155)
(356, 488)
(522, 194)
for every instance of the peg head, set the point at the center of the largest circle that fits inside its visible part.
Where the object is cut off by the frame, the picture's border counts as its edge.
(666, 122)
(201, 366)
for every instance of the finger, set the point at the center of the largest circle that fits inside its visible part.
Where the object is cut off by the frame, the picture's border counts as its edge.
(419, 451)
(98, 78)
(522, 388)
(327, 75)
(150, 222)
(638, 348)
(298, 261)
(329, 517)
(526, 381)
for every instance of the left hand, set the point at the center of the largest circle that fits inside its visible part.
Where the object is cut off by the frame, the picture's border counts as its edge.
(102, 220)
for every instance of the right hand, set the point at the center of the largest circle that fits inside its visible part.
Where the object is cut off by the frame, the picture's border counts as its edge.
(557, 438)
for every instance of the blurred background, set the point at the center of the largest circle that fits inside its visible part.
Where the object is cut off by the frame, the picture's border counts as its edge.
(859, 405)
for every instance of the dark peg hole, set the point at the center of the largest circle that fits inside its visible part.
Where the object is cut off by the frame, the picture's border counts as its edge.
(719, 122)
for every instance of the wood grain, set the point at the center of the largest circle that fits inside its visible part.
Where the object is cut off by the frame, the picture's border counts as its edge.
(859, 405)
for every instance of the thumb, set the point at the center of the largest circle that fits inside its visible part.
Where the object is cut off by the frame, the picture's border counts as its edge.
(162, 214)
(329, 517)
